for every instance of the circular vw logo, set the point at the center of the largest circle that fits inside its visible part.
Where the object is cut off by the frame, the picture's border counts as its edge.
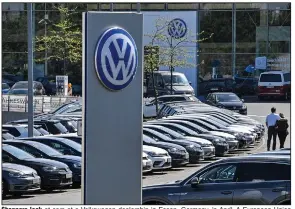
(116, 58)
(177, 28)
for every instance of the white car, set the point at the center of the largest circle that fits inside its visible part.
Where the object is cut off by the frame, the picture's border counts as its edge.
(147, 164)
(149, 108)
(160, 158)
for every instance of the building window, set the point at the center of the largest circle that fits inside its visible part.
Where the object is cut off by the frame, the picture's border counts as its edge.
(105, 7)
(122, 7)
(251, 31)
(218, 23)
(279, 6)
(187, 6)
(14, 6)
(250, 6)
(92, 7)
(214, 6)
(150, 6)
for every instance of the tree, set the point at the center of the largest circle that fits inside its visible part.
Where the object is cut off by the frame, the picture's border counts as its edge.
(170, 51)
(63, 40)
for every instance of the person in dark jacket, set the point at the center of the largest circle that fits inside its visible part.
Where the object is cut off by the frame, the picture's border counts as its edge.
(282, 129)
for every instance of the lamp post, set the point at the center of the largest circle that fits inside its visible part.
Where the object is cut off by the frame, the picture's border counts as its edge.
(45, 21)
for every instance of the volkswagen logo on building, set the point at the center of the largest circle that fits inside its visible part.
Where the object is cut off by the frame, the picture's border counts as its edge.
(177, 28)
(116, 58)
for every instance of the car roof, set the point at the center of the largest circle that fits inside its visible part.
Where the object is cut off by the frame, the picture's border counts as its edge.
(275, 72)
(168, 72)
(223, 93)
(258, 158)
(175, 95)
(14, 125)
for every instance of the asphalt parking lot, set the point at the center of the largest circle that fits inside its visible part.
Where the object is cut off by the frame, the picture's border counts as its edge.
(256, 110)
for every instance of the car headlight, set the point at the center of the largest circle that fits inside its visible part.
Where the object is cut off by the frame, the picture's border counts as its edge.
(244, 106)
(217, 141)
(77, 165)
(50, 169)
(174, 150)
(153, 154)
(15, 174)
(193, 147)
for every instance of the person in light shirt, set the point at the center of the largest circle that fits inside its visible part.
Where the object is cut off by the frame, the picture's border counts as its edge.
(271, 121)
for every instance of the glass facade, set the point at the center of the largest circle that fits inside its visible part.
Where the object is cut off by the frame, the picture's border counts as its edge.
(241, 32)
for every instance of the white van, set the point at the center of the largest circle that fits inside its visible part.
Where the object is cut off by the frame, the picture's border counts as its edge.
(274, 84)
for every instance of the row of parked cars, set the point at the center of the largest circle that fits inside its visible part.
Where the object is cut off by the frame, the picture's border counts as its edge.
(50, 160)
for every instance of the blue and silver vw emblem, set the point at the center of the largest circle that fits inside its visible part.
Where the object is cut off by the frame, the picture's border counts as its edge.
(116, 58)
(177, 28)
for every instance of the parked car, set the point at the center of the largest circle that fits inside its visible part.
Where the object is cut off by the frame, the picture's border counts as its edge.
(19, 130)
(44, 151)
(147, 164)
(72, 137)
(65, 146)
(149, 108)
(18, 179)
(220, 144)
(274, 84)
(179, 155)
(243, 180)
(21, 88)
(53, 174)
(5, 88)
(161, 159)
(49, 84)
(196, 151)
(228, 101)
(180, 84)
(51, 126)
(245, 87)
(187, 132)
(216, 85)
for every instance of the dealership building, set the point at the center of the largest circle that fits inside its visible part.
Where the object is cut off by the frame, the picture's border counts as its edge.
(233, 35)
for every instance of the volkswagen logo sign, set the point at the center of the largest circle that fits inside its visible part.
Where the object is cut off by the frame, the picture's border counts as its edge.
(177, 28)
(116, 58)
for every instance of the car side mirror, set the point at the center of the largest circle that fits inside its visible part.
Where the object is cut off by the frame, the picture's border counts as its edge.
(242, 100)
(190, 83)
(195, 182)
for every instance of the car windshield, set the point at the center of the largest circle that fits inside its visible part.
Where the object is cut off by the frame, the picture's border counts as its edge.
(213, 122)
(176, 79)
(18, 153)
(148, 139)
(19, 91)
(61, 127)
(72, 144)
(270, 78)
(155, 134)
(5, 86)
(42, 131)
(171, 133)
(227, 98)
(46, 149)
(7, 136)
(20, 85)
(35, 132)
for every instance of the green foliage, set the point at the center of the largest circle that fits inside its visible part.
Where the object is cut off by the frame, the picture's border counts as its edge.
(63, 40)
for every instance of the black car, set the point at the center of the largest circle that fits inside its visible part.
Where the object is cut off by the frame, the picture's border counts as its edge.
(53, 174)
(43, 151)
(178, 153)
(68, 123)
(194, 150)
(243, 180)
(228, 101)
(77, 139)
(216, 85)
(52, 126)
(65, 146)
(245, 86)
(220, 144)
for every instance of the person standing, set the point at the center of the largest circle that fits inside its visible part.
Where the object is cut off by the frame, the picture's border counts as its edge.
(271, 121)
(282, 129)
